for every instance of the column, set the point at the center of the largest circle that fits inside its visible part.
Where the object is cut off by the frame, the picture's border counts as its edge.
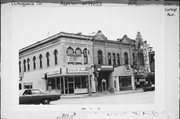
(133, 82)
(111, 82)
(117, 83)
(64, 85)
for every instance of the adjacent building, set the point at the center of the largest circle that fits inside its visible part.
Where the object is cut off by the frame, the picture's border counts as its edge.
(74, 64)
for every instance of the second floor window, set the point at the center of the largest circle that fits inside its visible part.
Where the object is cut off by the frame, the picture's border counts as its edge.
(118, 59)
(78, 51)
(55, 57)
(85, 56)
(114, 59)
(70, 51)
(28, 61)
(100, 57)
(109, 58)
(34, 62)
(40, 61)
(126, 58)
(47, 56)
(19, 66)
(24, 65)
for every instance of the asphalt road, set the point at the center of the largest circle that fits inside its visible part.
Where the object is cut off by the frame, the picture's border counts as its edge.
(130, 98)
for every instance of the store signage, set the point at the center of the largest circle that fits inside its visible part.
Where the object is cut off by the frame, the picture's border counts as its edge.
(76, 69)
(127, 68)
(54, 71)
(106, 68)
(74, 58)
(146, 58)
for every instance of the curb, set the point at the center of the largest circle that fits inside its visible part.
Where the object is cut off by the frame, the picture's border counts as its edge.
(100, 94)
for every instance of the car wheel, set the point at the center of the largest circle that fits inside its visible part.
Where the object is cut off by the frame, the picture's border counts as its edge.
(46, 101)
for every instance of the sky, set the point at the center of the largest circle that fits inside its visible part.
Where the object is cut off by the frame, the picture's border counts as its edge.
(32, 24)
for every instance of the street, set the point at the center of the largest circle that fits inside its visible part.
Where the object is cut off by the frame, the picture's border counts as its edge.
(130, 98)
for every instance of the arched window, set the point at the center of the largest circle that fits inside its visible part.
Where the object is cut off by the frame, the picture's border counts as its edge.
(70, 51)
(20, 66)
(126, 58)
(34, 62)
(28, 60)
(47, 56)
(134, 62)
(85, 56)
(24, 65)
(114, 59)
(55, 57)
(109, 58)
(118, 59)
(78, 51)
(100, 57)
(141, 58)
(40, 61)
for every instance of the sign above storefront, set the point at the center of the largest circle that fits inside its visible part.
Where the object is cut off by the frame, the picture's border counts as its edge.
(77, 70)
(105, 68)
(54, 71)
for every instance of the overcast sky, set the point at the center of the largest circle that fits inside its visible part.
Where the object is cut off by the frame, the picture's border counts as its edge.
(31, 24)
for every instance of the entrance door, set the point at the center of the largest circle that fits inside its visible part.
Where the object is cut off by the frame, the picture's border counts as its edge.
(71, 88)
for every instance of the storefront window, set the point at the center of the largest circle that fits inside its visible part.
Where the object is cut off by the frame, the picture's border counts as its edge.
(77, 82)
(84, 81)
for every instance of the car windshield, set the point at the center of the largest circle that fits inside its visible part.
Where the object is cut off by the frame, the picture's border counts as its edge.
(42, 91)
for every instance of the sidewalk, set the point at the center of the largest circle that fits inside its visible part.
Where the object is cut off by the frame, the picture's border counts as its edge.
(100, 94)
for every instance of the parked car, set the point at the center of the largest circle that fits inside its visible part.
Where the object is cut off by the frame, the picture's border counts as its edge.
(149, 88)
(36, 96)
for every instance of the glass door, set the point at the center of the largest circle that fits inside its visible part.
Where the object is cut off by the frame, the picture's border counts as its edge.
(71, 85)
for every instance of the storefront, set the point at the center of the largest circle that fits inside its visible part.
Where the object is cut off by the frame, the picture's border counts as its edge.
(123, 78)
(104, 78)
(74, 81)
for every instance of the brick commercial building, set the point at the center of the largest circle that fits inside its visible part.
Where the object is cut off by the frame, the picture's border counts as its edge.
(74, 63)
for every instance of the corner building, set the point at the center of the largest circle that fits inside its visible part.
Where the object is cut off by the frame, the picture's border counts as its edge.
(59, 63)
(75, 64)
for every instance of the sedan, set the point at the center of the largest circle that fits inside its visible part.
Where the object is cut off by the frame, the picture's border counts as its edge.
(149, 88)
(36, 96)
